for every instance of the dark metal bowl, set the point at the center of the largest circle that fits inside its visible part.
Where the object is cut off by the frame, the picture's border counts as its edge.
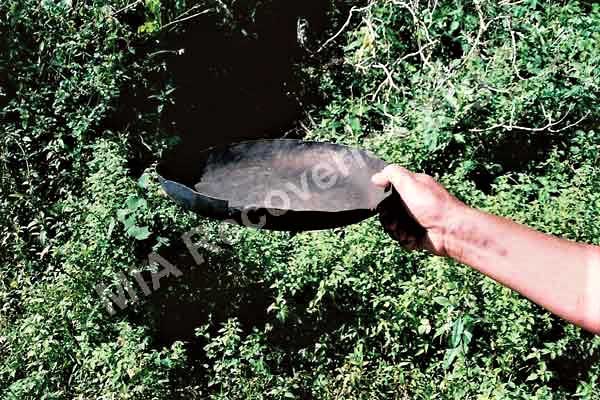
(281, 184)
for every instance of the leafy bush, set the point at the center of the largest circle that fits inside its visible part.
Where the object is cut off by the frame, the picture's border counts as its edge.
(499, 100)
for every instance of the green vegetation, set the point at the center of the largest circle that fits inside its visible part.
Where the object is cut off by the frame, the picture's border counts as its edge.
(499, 100)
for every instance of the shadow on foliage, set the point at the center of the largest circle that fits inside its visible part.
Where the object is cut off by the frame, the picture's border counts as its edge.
(209, 293)
(233, 82)
(221, 289)
(517, 151)
(572, 368)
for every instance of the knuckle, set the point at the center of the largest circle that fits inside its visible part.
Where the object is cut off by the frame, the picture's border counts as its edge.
(395, 169)
(424, 178)
(398, 175)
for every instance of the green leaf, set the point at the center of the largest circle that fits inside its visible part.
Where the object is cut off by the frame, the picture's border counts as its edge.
(450, 357)
(139, 233)
(532, 377)
(134, 202)
(144, 181)
(456, 335)
(122, 214)
(129, 222)
(441, 300)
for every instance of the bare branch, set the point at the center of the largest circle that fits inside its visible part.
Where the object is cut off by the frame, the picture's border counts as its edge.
(550, 126)
(482, 28)
(514, 49)
(417, 23)
(343, 28)
(416, 53)
(186, 18)
(127, 7)
(389, 80)
(571, 125)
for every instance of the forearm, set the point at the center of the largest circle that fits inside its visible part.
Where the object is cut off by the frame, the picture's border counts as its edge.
(560, 275)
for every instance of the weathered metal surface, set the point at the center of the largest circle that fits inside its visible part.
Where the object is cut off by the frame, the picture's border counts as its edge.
(281, 184)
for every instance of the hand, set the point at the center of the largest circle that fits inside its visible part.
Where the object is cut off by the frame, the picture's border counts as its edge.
(428, 202)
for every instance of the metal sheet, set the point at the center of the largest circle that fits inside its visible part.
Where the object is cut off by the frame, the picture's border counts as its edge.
(282, 184)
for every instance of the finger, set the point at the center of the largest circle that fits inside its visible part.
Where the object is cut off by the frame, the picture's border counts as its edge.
(402, 237)
(428, 245)
(380, 179)
(424, 178)
(399, 176)
(411, 244)
(391, 226)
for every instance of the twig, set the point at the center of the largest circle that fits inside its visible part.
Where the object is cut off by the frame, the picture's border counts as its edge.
(186, 18)
(549, 127)
(25, 157)
(389, 79)
(514, 49)
(127, 7)
(303, 126)
(227, 10)
(186, 12)
(493, 89)
(482, 28)
(570, 125)
(416, 53)
(435, 4)
(159, 52)
(417, 22)
(508, 3)
(343, 28)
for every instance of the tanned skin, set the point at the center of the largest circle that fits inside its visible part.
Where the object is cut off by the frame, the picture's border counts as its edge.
(560, 275)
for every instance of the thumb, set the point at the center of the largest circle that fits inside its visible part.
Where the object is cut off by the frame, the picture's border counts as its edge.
(397, 175)
(380, 179)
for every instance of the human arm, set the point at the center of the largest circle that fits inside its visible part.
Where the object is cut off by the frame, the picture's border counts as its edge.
(560, 275)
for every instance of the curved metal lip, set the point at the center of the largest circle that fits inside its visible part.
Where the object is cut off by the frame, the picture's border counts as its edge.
(273, 218)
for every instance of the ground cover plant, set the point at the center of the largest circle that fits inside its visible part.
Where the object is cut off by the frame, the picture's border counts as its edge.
(497, 100)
